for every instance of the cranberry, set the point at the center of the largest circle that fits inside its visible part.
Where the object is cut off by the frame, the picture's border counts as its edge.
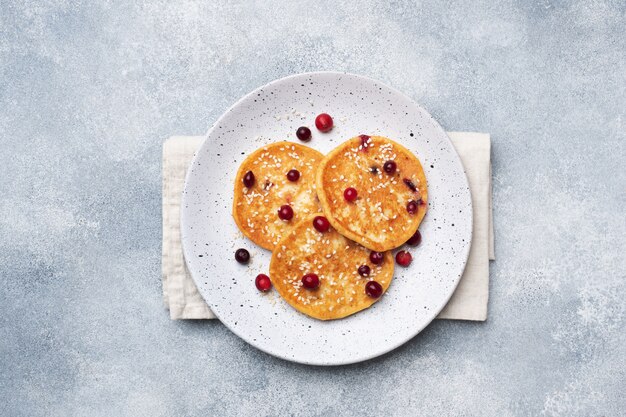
(373, 289)
(293, 175)
(411, 207)
(263, 282)
(285, 212)
(321, 224)
(310, 281)
(403, 258)
(390, 167)
(377, 258)
(303, 133)
(350, 194)
(364, 271)
(324, 122)
(242, 256)
(415, 240)
(364, 140)
(410, 184)
(248, 179)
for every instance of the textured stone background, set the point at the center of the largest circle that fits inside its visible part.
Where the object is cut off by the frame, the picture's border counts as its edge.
(89, 91)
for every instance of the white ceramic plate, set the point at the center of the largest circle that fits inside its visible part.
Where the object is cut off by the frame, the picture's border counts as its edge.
(210, 237)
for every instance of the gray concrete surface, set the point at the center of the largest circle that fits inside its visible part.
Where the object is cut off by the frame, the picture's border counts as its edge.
(88, 92)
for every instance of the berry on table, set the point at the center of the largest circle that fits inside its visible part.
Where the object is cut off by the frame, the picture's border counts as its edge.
(263, 283)
(303, 133)
(242, 256)
(323, 122)
(403, 258)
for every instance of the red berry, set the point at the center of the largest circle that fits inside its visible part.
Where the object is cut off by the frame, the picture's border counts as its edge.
(242, 256)
(350, 194)
(373, 289)
(303, 133)
(377, 258)
(410, 184)
(285, 212)
(293, 175)
(364, 271)
(403, 258)
(411, 207)
(364, 141)
(390, 167)
(321, 224)
(310, 281)
(263, 282)
(324, 122)
(248, 179)
(415, 240)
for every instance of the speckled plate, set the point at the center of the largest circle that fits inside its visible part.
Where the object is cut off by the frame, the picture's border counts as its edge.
(210, 237)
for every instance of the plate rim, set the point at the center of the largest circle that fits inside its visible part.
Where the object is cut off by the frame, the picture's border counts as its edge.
(186, 246)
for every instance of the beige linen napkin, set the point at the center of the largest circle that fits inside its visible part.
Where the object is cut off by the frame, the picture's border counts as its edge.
(179, 291)
(469, 302)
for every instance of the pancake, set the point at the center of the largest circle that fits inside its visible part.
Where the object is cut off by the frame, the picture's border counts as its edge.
(378, 219)
(335, 260)
(255, 209)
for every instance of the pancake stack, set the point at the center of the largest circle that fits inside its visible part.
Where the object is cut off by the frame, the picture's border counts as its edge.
(346, 211)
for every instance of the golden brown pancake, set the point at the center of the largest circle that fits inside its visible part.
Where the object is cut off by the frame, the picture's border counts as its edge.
(255, 209)
(335, 260)
(378, 219)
